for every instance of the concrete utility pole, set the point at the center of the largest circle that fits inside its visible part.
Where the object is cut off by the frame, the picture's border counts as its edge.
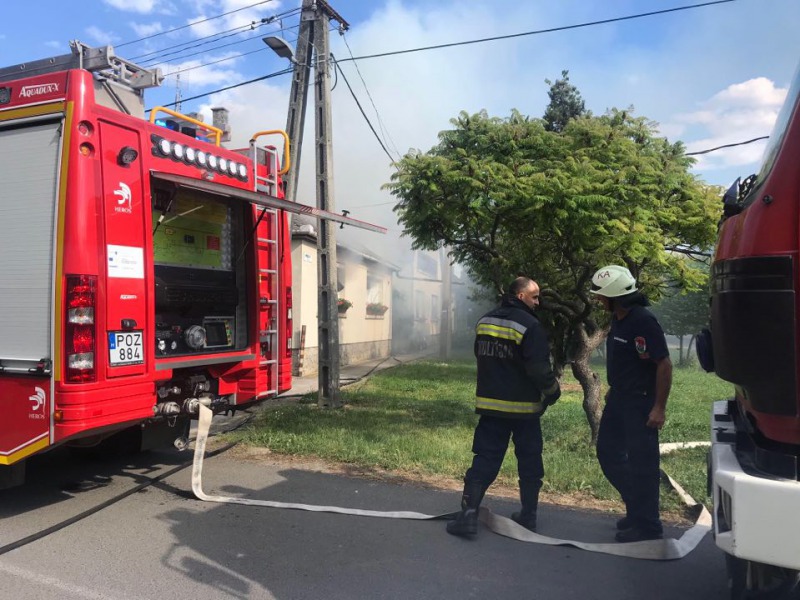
(298, 95)
(446, 323)
(314, 23)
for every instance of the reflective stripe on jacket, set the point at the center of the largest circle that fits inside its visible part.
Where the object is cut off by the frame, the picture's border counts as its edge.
(511, 349)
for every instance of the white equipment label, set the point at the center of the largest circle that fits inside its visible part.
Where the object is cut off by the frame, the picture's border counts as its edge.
(125, 261)
(125, 348)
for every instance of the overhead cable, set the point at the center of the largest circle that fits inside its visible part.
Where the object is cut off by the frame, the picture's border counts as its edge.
(384, 129)
(538, 31)
(236, 85)
(366, 118)
(193, 23)
(221, 35)
(763, 137)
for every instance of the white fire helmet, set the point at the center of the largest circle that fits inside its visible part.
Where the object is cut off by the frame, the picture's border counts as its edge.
(613, 281)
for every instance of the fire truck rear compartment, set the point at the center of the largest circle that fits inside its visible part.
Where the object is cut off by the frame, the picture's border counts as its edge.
(200, 274)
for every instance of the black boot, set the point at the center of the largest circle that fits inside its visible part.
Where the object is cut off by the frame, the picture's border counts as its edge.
(466, 522)
(529, 495)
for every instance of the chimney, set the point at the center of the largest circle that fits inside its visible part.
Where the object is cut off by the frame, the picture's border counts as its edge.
(219, 120)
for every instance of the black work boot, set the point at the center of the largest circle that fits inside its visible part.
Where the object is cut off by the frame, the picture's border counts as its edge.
(529, 496)
(466, 522)
(624, 523)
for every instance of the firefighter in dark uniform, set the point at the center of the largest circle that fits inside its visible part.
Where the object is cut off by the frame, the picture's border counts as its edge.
(639, 377)
(515, 385)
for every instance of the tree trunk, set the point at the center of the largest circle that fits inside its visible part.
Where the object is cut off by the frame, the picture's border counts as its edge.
(689, 348)
(585, 344)
(681, 361)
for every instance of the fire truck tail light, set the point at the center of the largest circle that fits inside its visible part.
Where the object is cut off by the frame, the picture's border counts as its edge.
(85, 128)
(83, 339)
(81, 316)
(79, 331)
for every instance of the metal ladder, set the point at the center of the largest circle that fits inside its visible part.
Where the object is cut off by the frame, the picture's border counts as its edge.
(101, 61)
(268, 275)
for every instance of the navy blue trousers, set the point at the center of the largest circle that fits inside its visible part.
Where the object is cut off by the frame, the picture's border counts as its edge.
(491, 442)
(627, 450)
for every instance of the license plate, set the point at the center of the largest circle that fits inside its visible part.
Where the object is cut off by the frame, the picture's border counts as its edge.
(125, 348)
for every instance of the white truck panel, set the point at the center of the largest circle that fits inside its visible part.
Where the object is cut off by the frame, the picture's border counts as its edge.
(28, 199)
(762, 513)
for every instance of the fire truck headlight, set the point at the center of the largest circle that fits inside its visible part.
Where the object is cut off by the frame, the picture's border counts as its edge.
(243, 171)
(191, 153)
(164, 146)
(223, 165)
(233, 168)
(202, 158)
(212, 161)
(177, 151)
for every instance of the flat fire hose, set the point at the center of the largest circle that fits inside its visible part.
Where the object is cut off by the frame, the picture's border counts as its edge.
(666, 549)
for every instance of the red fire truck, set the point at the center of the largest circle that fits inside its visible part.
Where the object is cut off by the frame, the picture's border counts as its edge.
(754, 467)
(145, 269)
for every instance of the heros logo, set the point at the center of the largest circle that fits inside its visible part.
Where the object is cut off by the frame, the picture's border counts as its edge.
(123, 195)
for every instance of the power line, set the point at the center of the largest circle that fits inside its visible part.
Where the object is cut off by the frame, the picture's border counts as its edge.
(214, 62)
(162, 59)
(422, 48)
(156, 55)
(227, 58)
(384, 129)
(236, 85)
(763, 137)
(366, 118)
(538, 31)
(230, 12)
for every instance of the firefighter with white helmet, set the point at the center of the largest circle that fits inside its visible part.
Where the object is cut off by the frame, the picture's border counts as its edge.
(639, 374)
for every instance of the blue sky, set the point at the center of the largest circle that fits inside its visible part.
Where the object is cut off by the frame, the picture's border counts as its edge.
(708, 76)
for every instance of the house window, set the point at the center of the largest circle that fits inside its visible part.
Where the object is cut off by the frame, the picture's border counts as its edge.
(419, 305)
(374, 290)
(436, 308)
(427, 265)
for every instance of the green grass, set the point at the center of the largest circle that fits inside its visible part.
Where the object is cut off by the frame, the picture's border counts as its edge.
(418, 419)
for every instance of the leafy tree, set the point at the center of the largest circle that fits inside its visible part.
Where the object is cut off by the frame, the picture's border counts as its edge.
(683, 314)
(507, 197)
(566, 103)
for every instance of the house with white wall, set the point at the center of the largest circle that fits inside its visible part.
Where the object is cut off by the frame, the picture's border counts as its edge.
(365, 300)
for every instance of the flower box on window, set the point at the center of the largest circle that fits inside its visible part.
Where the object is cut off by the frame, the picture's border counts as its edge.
(343, 304)
(376, 309)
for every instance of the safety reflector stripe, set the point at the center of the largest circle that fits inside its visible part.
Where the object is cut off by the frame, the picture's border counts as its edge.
(506, 406)
(507, 323)
(495, 331)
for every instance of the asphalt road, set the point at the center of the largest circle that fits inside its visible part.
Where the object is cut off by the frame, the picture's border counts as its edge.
(161, 542)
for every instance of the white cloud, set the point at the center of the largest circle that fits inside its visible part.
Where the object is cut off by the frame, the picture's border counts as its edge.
(740, 112)
(222, 74)
(100, 36)
(138, 6)
(643, 63)
(147, 29)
